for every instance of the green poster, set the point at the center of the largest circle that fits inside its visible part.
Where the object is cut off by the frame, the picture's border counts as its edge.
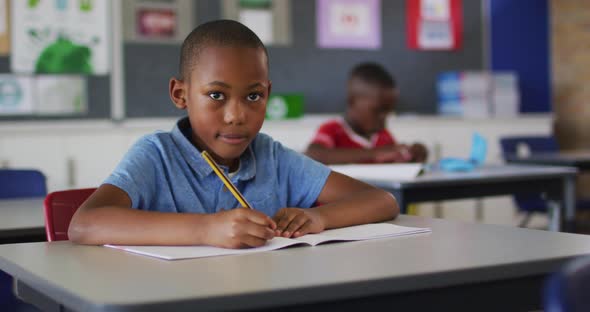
(61, 36)
(284, 106)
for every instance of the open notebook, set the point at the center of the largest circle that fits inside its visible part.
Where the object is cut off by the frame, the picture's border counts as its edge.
(388, 172)
(352, 233)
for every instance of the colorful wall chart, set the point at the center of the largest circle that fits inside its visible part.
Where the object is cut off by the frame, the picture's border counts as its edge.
(4, 27)
(269, 19)
(16, 94)
(434, 24)
(43, 95)
(352, 24)
(61, 36)
(158, 21)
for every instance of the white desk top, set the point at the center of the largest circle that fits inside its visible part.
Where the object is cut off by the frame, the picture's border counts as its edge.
(487, 173)
(90, 278)
(17, 214)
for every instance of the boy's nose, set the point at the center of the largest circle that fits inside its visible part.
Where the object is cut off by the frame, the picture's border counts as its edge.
(234, 113)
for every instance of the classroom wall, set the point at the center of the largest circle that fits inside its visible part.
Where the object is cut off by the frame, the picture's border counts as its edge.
(518, 40)
(319, 74)
(571, 77)
(571, 71)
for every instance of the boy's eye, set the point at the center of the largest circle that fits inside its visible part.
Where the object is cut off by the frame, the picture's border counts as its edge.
(253, 97)
(217, 96)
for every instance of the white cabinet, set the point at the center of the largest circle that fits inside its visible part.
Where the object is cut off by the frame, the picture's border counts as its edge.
(45, 153)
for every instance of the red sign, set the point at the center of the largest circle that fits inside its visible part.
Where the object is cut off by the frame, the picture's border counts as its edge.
(434, 24)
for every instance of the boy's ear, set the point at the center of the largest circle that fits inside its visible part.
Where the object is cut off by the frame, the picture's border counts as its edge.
(269, 86)
(177, 90)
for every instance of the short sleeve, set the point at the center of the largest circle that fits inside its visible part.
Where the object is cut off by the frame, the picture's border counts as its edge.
(136, 174)
(387, 138)
(325, 136)
(304, 176)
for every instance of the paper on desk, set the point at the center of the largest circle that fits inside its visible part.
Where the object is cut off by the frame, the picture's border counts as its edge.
(351, 233)
(377, 172)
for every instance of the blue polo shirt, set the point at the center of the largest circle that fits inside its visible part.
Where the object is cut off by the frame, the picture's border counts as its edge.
(165, 172)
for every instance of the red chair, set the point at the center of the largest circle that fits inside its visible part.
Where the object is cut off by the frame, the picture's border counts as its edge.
(59, 208)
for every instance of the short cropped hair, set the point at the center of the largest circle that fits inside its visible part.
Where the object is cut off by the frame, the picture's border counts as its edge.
(373, 73)
(221, 33)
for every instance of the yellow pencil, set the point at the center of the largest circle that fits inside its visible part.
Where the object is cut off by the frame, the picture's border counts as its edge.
(226, 181)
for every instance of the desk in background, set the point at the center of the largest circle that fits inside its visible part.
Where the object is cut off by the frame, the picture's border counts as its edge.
(459, 266)
(22, 220)
(557, 183)
(578, 159)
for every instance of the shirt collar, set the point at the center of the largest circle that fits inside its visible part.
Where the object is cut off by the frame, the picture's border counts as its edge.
(181, 134)
(362, 141)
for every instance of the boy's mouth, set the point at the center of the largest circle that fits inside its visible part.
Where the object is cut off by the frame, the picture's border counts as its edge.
(232, 138)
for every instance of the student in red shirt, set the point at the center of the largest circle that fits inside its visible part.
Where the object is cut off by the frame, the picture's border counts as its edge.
(360, 136)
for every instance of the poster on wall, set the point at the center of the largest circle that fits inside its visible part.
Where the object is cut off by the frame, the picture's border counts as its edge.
(60, 36)
(434, 24)
(354, 24)
(60, 95)
(42, 94)
(269, 19)
(4, 28)
(157, 21)
(258, 16)
(16, 94)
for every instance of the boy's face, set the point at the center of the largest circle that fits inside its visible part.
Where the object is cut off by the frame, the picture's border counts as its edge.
(369, 105)
(225, 98)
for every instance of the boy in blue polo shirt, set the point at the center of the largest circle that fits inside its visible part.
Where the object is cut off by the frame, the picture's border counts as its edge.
(164, 193)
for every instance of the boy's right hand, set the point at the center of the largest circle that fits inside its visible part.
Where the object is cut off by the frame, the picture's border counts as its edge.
(240, 228)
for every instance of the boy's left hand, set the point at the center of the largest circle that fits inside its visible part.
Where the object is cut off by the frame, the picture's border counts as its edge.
(295, 222)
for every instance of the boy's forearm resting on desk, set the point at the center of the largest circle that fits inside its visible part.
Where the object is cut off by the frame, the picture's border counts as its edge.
(364, 207)
(349, 202)
(121, 225)
(106, 218)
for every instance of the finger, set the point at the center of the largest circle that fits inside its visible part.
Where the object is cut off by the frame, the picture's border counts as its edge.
(260, 231)
(249, 241)
(304, 229)
(295, 224)
(273, 224)
(285, 221)
(259, 218)
(279, 215)
(277, 219)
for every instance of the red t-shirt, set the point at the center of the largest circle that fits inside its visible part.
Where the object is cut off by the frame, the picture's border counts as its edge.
(337, 134)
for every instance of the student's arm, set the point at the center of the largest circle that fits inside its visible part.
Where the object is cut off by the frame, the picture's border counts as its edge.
(346, 202)
(333, 156)
(107, 218)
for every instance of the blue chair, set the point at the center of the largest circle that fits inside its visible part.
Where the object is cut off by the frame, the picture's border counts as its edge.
(529, 204)
(567, 289)
(18, 184)
(21, 183)
(534, 144)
